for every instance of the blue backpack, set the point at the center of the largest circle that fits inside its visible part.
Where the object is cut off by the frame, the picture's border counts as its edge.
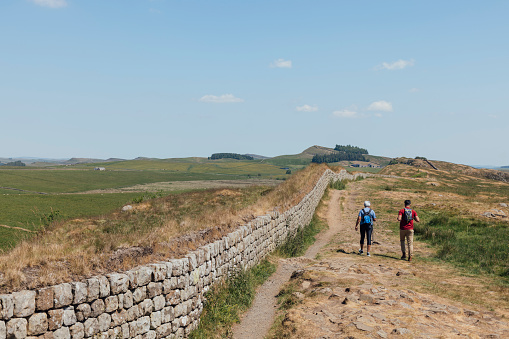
(366, 217)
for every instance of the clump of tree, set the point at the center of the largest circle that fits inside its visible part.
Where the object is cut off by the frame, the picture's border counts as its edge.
(237, 156)
(351, 149)
(421, 158)
(15, 163)
(339, 156)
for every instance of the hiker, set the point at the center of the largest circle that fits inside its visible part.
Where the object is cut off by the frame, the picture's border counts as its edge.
(365, 218)
(406, 219)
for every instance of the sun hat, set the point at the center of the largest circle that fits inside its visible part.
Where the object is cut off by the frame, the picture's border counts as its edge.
(367, 203)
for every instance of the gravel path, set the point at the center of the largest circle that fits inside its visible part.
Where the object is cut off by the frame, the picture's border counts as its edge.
(257, 321)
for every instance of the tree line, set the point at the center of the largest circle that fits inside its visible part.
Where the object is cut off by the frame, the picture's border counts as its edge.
(339, 156)
(237, 156)
(350, 149)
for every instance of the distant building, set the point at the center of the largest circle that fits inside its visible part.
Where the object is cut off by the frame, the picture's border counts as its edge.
(100, 169)
(355, 165)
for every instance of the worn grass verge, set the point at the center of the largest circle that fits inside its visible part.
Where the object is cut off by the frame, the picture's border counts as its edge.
(226, 301)
(305, 237)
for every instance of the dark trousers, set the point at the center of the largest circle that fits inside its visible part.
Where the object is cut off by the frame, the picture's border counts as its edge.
(366, 230)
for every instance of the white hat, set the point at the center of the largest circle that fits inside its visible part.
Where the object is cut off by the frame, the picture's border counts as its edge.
(367, 203)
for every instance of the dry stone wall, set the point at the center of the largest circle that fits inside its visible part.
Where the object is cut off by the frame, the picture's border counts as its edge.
(160, 300)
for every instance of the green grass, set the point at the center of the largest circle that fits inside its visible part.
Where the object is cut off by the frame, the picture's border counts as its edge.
(225, 302)
(476, 245)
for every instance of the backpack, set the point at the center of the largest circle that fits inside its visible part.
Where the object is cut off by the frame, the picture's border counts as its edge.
(366, 217)
(407, 216)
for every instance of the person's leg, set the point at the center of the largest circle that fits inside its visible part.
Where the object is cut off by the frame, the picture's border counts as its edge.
(410, 244)
(369, 232)
(363, 235)
(402, 243)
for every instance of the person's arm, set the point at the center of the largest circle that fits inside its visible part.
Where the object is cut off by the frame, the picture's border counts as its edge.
(417, 218)
(374, 216)
(357, 223)
(400, 215)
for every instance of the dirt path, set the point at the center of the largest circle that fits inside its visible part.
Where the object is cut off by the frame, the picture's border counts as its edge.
(257, 321)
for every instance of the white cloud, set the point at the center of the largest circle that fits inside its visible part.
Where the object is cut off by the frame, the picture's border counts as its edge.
(400, 64)
(281, 63)
(225, 98)
(378, 115)
(307, 108)
(349, 112)
(414, 90)
(381, 105)
(51, 3)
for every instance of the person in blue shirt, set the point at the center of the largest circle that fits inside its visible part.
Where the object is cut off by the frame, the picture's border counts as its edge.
(366, 218)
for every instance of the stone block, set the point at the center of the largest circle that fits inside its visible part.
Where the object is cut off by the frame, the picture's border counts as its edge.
(177, 267)
(93, 289)
(146, 307)
(37, 324)
(62, 295)
(128, 300)
(111, 303)
(24, 303)
(119, 283)
(55, 319)
(169, 269)
(149, 335)
(159, 271)
(140, 294)
(159, 302)
(80, 292)
(118, 318)
(3, 330)
(62, 333)
(125, 331)
(154, 289)
(140, 276)
(104, 286)
(133, 313)
(104, 322)
(155, 320)
(167, 286)
(83, 312)
(69, 317)
(167, 315)
(193, 260)
(97, 307)
(77, 331)
(173, 298)
(44, 299)
(6, 306)
(91, 327)
(17, 328)
(164, 330)
(143, 324)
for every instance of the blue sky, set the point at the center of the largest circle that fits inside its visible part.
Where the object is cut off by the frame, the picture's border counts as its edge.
(169, 78)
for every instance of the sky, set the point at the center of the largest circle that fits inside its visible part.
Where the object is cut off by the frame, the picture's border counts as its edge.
(180, 78)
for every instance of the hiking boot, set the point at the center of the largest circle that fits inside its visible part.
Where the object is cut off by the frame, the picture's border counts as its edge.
(403, 257)
(369, 255)
(360, 252)
(409, 258)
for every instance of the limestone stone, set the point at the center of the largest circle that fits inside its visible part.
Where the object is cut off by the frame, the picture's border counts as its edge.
(69, 317)
(6, 306)
(3, 330)
(125, 331)
(149, 335)
(62, 333)
(193, 261)
(93, 289)
(400, 331)
(140, 294)
(79, 290)
(154, 289)
(24, 303)
(159, 271)
(173, 298)
(55, 319)
(146, 307)
(120, 301)
(104, 286)
(119, 283)
(111, 303)
(44, 299)
(104, 322)
(97, 308)
(140, 276)
(167, 286)
(128, 300)
(91, 327)
(164, 330)
(167, 315)
(133, 313)
(62, 295)
(83, 312)
(118, 318)
(177, 267)
(169, 269)
(155, 320)
(17, 328)
(38, 324)
(159, 302)
(144, 324)
(77, 331)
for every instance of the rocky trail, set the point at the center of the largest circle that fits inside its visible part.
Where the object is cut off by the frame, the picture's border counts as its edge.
(340, 294)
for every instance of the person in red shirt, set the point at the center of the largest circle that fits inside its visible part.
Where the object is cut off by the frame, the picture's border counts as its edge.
(406, 219)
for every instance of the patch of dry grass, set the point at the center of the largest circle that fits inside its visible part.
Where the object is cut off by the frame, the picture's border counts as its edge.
(154, 230)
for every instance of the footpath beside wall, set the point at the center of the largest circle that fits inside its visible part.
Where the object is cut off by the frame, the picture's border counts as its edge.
(160, 300)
